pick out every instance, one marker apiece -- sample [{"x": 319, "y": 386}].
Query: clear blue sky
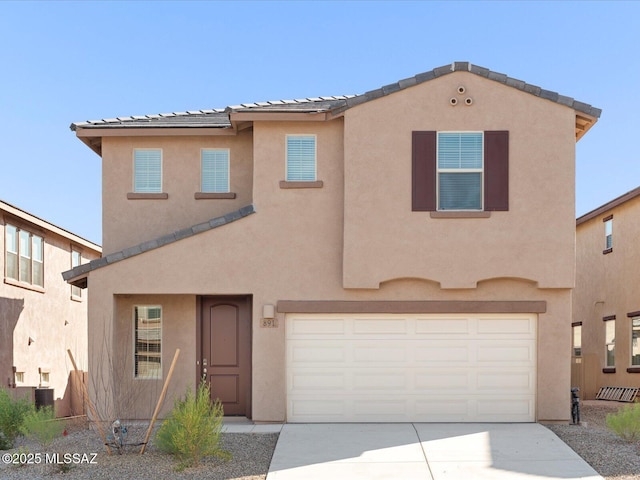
[{"x": 64, "y": 62}]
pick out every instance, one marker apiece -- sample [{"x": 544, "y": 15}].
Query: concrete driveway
[{"x": 424, "y": 451}]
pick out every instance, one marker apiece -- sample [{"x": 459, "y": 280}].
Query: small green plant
[
  {"x": 12, "y": 413},
  {"x": 192, "y": 429},
  {"x": 626, "y": 422},
  {"x": 41, "y": 425}
]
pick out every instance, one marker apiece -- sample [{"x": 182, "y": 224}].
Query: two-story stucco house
[
  {"x": 402, "y": 255},
  {"x": 41, "y": 316},
  {"x": 606, "y": 304}
]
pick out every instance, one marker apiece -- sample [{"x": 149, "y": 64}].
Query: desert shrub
[
  {"x": 12, "y": 413},
  {"x": 626, "y": 422},
  {"x": 41, "y": 425},
  {"x": 192, "y": 429}
]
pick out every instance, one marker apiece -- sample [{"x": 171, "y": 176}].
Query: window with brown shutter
[{"x": 425, "y": 171}]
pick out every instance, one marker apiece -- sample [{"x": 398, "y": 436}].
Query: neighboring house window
[
  {"x": 147, "y": 171},
  {"x": 20, "y": 378},
  {"x": 76, "y": 260},
  {"x": 460, "y": 167},
  {"x": 148, "y": 341},
  {"x": 635, "y": 344},
  {"x": 301, "y": 158},
  {"x": 24, "y": 256},
  {"x": 577, "y": 340},
  {"x": 44, "y": 376},
  {"x": 465, "y": 171},
  {"x": 215, "y": 171},
  {"x": 608, "y": 234},
  {"x": 610, "y": 343}
]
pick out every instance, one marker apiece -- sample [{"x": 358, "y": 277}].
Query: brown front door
[{"x": 226, "y": 351}]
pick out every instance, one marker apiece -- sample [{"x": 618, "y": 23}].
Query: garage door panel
[
  {"x": 319, "y": 380},
  {"x": 320, "y": 326},
  {"x": 379, "y": 381},
  {"x": 515, "y": 382},
  {"x": 384, "y": 368},
  {"x": 434, "y": 352},
  {"x": 506, "y": 326},
  {"x": 313, "y": 353},
  {"x": 495, "y": 407},
  {"x": 437, "y": 382},
  {"x": 440, "y": 326},
  {"x": 380, "y": 353},
  {"x": 505, "y": 354},
  {"x": 386, "y": 326}
]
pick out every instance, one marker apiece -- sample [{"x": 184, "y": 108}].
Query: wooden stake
[
  {"x": 160, "y": 401},
  {"x": 92, "y": 409}
]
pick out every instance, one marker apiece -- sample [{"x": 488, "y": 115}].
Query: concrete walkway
[{"x": 424, "y": 451}]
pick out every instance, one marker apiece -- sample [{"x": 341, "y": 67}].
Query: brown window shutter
[
  {"x": 496, "y": 171},
  {"x": 423, "y": 197}
]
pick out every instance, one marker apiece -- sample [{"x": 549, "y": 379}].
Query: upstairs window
[
  {"x": 215, "y": 171},
  {"x": 460, "y": 168},
  {"x": 148, "y": 341},
  {"x": 147, "y": 170},
  {"x": 460, "y": 171},
  {"x": 608, "y": 234},
  {"x": 24, "y": 256},
  {"x": 301, "y": 158}
]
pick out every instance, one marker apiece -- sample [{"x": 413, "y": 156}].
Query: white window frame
[
  {"x": 138, "y": 189},
  {"x": 608, "y": 234},
  {"x": 76, "y": 292},
  {"x": 30, "y": 257},
  {"x": 227, "y": 188},
  {"x": 635, "y": 322},
  {"x": 459, "y": 170},
  {"x": 315, "y": 156},
  {"x": 576, "y": 346},
  {"x": 610, "y": 343},
  {"x": 136, "y": 374}
]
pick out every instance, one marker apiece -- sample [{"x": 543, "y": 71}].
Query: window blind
[
  {"x": 147, "y": 176},
  {"x": 215, "y": 171},
  {"x": 301, "y": 158}
]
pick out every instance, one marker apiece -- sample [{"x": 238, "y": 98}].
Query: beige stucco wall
[
  {"x": 607, "y": 285},
  {"x": 356, "y": 237},
  {"x": 537, "y": 230},
  {"x": 54, "y": 320},
  {"x": 129, "y": 222}
]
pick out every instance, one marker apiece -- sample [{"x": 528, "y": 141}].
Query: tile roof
[{"x": 219, "y": 118}]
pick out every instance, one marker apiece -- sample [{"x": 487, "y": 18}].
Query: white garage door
[{"x": 411, "y": 368}]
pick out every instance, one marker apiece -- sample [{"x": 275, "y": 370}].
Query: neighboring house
[
  {"x": 41, "y": 316},
  {"x": 606, "y": 300},
  {"x": 402, "y": 255}
]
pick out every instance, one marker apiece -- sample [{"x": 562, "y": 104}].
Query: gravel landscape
[
  {"x": 609, "y": 455},
  {"x": 251, "y": 456}
]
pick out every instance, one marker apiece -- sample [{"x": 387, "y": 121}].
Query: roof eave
[{"x": 608, "y": 206}]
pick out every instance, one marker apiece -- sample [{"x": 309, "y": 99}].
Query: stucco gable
[{"x": 78, "y": 275}]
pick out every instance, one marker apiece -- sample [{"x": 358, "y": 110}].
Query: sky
[{"x": 64, "y": 62}]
